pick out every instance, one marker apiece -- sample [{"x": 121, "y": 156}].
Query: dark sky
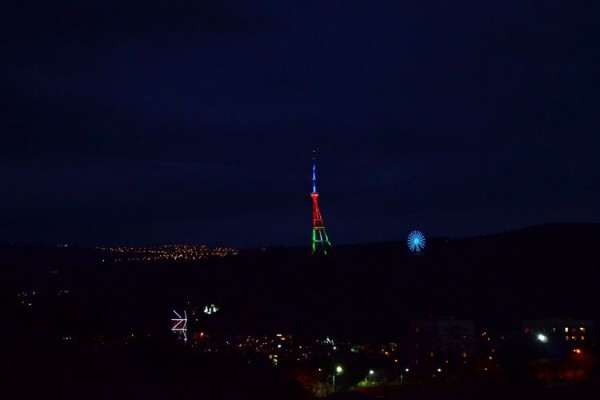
[{"x": 127, "y": 122}]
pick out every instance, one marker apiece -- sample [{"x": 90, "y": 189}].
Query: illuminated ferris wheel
[{"x": 416, "y": 241}]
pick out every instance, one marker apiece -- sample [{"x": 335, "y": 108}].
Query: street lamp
[
  {"x": 371, "y": 372},
  {"x": 402, "y": 376},
  {"x": 338, "y": 371}
]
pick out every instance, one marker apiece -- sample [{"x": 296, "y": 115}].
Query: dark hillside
[{"x": 369, "y": 290}]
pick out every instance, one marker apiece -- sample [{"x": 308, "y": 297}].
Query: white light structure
[
  {"x": 180, "y": 324},
  {"x": 211, "y": 309},
  {"x": 542, "y": 338}
]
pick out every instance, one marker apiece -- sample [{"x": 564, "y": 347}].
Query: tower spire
[
  {"x": 314, "y": 171},
  {"x": 320, "y": 242}
]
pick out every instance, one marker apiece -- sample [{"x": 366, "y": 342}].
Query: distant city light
[
  {"x": 339, "y": 369},
  {"x": 542, "y": 338},
  {"x": 177, "y": 252}
]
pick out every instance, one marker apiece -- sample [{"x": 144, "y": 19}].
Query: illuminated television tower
[{"x": 320, "y": 242}]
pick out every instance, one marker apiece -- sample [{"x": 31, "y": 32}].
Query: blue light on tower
[
  {"x": 416, "y": 241},
  {"x": 314, "y": 172}
]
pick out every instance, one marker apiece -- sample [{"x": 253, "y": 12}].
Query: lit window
[{"x": 566, "y": 329}]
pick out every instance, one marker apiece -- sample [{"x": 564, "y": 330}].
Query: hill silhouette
[{"x": 366, "y": 291}]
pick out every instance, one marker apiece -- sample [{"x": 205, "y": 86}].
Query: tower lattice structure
[{"x": 320, "y": 242}]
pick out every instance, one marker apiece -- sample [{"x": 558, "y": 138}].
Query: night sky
[{"x": 149, "y": 122}]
